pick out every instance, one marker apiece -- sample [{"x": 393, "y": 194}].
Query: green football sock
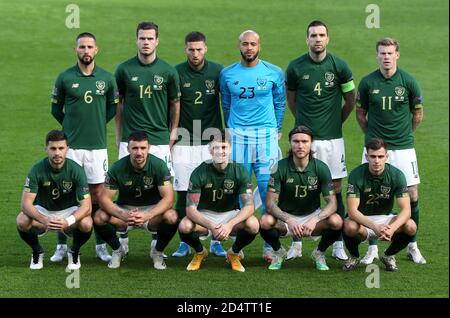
[
  {"x": 193, "y": 240},
  {"x": 181, "y": 204},
  {"x": 399, "y": 242},
  {"x": 243, "y": 238},
  {"x": 352, "y": 244},
  {"x": 329, "y": 236},
  {"x": 61, "y": 238},
  {"x": 165, "y": 233},
  {"x": 415, "y": 218},
  {"x": 79, "y": 239},
  {"x": 272, "y": 237},
  {"x": 31, "y": 238},
  {"x": 108, "y": 233}
]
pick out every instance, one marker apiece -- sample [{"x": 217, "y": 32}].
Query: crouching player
[
  {"x": 293, "y": 201},
  {"x": 145, "y": 200},
  {"x": 372, "y": 189},
  {"x": 212, "y": 204},
  {"x": 55, "y": 198}
]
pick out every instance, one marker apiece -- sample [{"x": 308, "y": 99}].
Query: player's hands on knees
[
  {"x": 138, "y": 218},
  {"x": 57, "y": 223},
  {"x": 386, "y": 232},
  {"x": 309, "y": 226},
  {"x": 220, "y": 232},
  {"x": 295, "y": 227}
]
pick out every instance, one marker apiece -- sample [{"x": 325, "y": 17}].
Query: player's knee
[
  {"x": 170, "y": 216},
  {"x": 23, "y": 222},
  {"x": 335, "y": 222},
  {"x": 350, "y": 228},
  {"x": 85, "y": 224},
  {"x": 410, "y": 227},
  {"x": 252, "y": 225},
  {"x": 186, "y": 226},
  {"x": 267, "y": 222},
  {"x": 101, "y": 217}
]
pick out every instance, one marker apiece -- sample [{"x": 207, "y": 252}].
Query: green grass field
[{"x": 36, "y": 46}]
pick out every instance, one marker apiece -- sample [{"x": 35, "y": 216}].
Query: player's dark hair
[
  {"x": 300, "y": 130},
  {"x": 376, "y": 144},
  {"x": 221, "y": 135},
  {"x": 195, "y": 36},
  {"x": 147, "y": 26},
  {"x": 138, "y": 136},
  {"x": 388, "y": 42},
  {"x": 55, "y": 135},
  {"x": 315, "y": 23},
  {"x": 86, "y": 35}
]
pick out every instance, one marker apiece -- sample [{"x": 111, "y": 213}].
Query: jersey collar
[
  {"x": 79, "y": 73},
  {"x": 293, "y": 167}
]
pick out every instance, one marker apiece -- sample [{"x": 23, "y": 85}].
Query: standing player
[
  {"x": 215, "y": 188},
  {"x": 200, "y": 111},
  {"x": 293, "y": 201},
  {"x": 145, "y": 200},
  {"x": 390, "y": 107},
  {"x": 372, "y": 189},
  {"x": 84, "y": 100},
  {"x": 55, "y": 198},
  {"x": 149, "y": 99},
  {"x": 316, "y": 83},
  {"x": 253, "y": 103}
]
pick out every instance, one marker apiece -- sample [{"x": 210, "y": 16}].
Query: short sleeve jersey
[
  {"x": 219, "y": 191},
  {"x": 85, "y": 99},
  {"x": 389, "y": 103},
  {"x": 299, "y": 191},
  {"x": 146, "y": 91},
  {"x": 319, "y": 88},
  {"x": 57, "y": 189},
  {"x": 376, "y": 193},
  {"x": 138, "y": 188},
  {"x": 200, "y": 102}
]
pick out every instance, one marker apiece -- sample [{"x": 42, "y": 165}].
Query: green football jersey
[
  {"x": 219, "y": 191},
  {"x": 299, "y": 191},
  {"x": 57, "y": 189},
  {"x": 376, "y": 193},
  {"x": 389, "y": 103},
  {"x": 146, "y": 91},
  {"x": 86, "y": 100},
  {"x": 319, "y": 89},
  {"x": 138, "y": 188},
  {"x": 199, "y": 101}
]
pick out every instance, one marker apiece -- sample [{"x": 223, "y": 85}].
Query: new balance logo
[
  {"x": 375, "y": 91},
  {"x": 290, "y": 180},
  {"x": 134, "y": 79},
  {"x": 187, "y": 85},
  {"x": 305, "y": 77},
  {"x": 75, "y": 85},
  {"x": 235, "y": 82}
]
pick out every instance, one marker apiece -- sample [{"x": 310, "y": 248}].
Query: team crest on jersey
[
  {"x": 261, "y": 83},
  {"x": 100, "y": 87},
  {"x": 67, "y": 186},
  {"x": 228, "y": 184},
  {"x": 329, "y": 77},
  {"x": 312, "y": 180},
  {"x": 210, "y": 86},
  {"x": 148, "y": 182},
  {"x": 158, "y": 80},
  {"x": 399, "y": 92},
  {"x": 385, "y": 190}
]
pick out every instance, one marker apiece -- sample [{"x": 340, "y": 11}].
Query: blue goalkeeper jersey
[{"x": 253, "y": 99}]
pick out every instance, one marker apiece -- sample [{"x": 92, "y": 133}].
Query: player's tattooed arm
[
  {"x": 247, "y": 198},
  {"x": 329, "y": 209},
  {"x": 273, "y": 209},
  {"x": 192, "y": 199}
]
